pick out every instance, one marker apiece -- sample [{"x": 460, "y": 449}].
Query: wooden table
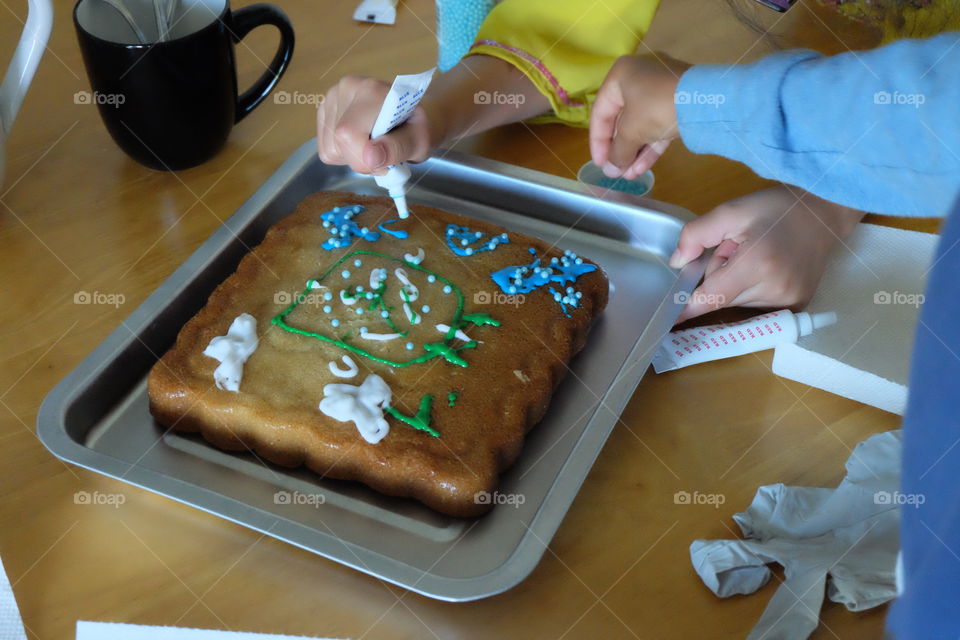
[{"x": 78, "y": 215}]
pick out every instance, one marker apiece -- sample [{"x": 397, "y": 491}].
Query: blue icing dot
[
  {"x": 326, "y": 308},
  {"x": 464, "y": 242},
  {"x": 384, "y": 314},
  {"x": 431, "y": 278},
  {"x": 328, "y": 296},
  {"x": 335, "y": 322},
  {"x": 339, "y": 222},
  {"x": 359, "y": 311},
  {"x": 446, "y": 288},
  {"x": 425, "y": 308},
  {"x": 358, "y": 262},
  {"x": 345, "y": 274},
  {"x": 409, "y": 346}
]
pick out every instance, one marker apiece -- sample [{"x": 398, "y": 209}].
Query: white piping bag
[
  {"x": 404, "y": 96},
  {"x": 715, "y": 342}
]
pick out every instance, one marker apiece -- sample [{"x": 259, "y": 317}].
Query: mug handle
[{"x": 246, "y": 20}]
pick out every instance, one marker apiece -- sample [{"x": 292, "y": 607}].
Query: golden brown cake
[{"x": 414, "y": 365}]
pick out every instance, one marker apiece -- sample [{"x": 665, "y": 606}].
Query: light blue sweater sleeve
[{"x": 876, "y": 130}]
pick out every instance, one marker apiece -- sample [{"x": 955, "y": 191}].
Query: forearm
[
  {"x": 870, "y": 129},
  {"x": 479, "y": 93}
]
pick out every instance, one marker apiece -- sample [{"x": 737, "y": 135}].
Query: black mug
[{"x": 171, "y": 104}]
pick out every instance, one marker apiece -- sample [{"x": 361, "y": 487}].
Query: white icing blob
[
  {"x": 349, "y": 372},
  {"x": 232, "y": 350},
  {"x": 443, "y": 328},
  {"x": 377, "y": 275},
  {"x": 345, "y": 300},
  {"x": 417, "y": 259},
  {"x": 362, "y": 405}
]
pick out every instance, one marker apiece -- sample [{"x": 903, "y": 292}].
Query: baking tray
[{"x": 98, "y": 417}]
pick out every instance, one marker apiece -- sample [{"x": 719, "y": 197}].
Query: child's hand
[
  {"x": 634, "y": 116},
  {"x": 771, "y": 249},
  {"x": 347, "y": 115}
]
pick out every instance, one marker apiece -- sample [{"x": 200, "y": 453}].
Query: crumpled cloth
[{"x": 843, "y": 542}]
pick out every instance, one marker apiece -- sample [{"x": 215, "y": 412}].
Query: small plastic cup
[{"x": 591, "y": 175}]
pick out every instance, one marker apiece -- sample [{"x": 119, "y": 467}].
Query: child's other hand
[
  {"x": 346, "y": 117},
  {"x": 634, "y": 116},
  {"x": 771, "y": 249}
]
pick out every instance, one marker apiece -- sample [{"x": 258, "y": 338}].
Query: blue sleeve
[
  {"x": 930, "y": 519},
  {"x": 876, "y": 130}
]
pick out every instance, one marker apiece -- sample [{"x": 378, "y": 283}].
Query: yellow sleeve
[{"x": 565, "y": 47}]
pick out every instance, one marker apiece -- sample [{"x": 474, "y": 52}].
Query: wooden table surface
[{"x": 77, "y": 215}]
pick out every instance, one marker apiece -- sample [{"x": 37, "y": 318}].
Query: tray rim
[{"x": 51, "y": 417}]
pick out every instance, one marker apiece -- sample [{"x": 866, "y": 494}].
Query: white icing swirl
[
  {"x": 349, "y": 372},
  {"x": 232, "y": 350},
  {"x": 345, "y": 299},
  {"x": 415, "y": 259},
  {"x": 363, "y": 405}
]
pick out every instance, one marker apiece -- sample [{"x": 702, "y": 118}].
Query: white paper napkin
[
  {"x": 116, "y": 631},
  {"x": 876, "y": 288},
  {"x": 11, "y": 626}
]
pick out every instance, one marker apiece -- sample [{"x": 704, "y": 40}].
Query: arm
[{"x": 874, "y": 130}]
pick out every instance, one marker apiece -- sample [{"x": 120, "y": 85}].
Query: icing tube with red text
[
  {"x": 715, "y": 342},
  {"x": 404, "y": 96}
]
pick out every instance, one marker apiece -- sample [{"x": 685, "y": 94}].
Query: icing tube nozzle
[
  {"x": 395, "y": 182},
  {"x": 404, "y": 96}
]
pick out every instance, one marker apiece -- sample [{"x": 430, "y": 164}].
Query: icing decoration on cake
[
  {"x": 452, "y": 398},
  {"x": 363, "y": 405},
  {"x": 415, "y": 259},
  {"x": 339, "y": 221},
  {"x": 459, "y": 334},
  {"x": 421, "y": 420},
  {"x": 526, "y": 278},
  {"x": 378, "y": 304},
  {"x": 232, "y": 350},
  {"x": 349, "y": 372},
  {"x": 396, "y": 233},
  {"x": 464, "y": 242},
  {"x": 570, "y": 298}
]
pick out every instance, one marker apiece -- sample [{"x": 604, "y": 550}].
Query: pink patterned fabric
[{"x": 542, "y": 68}]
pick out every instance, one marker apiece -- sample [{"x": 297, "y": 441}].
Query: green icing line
[
  {"x": 452, "y": 399},
  {"x": 419, "y": 421},
  {"x": 432, "y": 350}
]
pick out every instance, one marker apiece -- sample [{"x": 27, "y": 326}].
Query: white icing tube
[
  {"x": 715, "y": 342},
  {"x": 415, "y": 259},
  {"x": 404, "y": 96},
  {"x": 362, "y": 405},
  {"x": 232, "y": 350},
  {"x": 444, "y": 328}
]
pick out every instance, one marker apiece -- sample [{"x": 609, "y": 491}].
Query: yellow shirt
[{"x": 565, "y": 47}]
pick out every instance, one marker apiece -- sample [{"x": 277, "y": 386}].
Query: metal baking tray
[{"x": 98, "y": 418}]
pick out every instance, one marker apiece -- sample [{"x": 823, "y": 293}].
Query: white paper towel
[
  {"x": 11, "y": 626},
  {"x": 876, "y": 287},
  {"x": 116, "y": 631}
]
